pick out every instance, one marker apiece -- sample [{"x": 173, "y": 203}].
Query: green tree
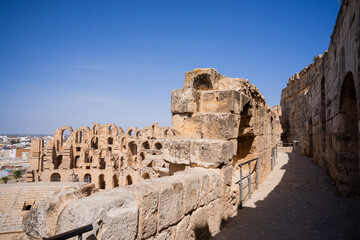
[
  {"x": 14, "y": 141},
  {"x": 5, "y": 179},
  {"x": 17, "y": 174}
]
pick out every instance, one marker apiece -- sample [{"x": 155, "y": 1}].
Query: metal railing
[
  {"x": 73, "y": 233},
  {"x": 287, "y": 144},
  {"x": 249, "y": 178}
]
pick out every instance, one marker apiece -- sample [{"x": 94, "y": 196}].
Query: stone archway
[
  {"x": 101, "y": 181},
  {"x": 348, "y": 139},
  {"x": 87, "y": 178},
  {"x": 55, "y": 177},
  {"x": 310, "y": 139}
]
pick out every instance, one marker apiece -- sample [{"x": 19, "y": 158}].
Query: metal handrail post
[
  {"x": 272, "y": 159},
  {"x": 257, "y": 174},
  {"x": 241, "y": 187},
  {"x": 249, "y": 181}
]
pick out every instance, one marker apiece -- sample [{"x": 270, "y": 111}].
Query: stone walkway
[{"x": 296, "y": 201}]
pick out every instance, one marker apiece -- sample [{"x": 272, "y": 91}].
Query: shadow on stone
[
  {"x": 304, "y": 205},
  {"x": 202, "y": 233}
]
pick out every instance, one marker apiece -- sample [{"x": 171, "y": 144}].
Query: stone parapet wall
[
  {"x": 320, "y": 104},
  {"x": 188, "y": 205}
]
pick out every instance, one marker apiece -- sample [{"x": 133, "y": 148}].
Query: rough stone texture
[
  {"x": 171, "y": 209},
  {"x": 114, "y": 215},
  {"x": 321, "y": 104},
  {"x": 42, "y": 219},
  {"x": 191, "y": 169}
]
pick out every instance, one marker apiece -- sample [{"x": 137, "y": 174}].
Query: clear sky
[{"x": 73, "y": 63}]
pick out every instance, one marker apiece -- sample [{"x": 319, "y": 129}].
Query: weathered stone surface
[
  {"x": 147, "y": 196},
  {"x": 226, "y": 101},
  {"x": 171, "y": 203},
  {"x": 207, "y": 125},
  {"x": 199, "y": 223},
  {"x": 42, "y": 219},
  {"x": 114, "y": 215},
  {"x": 182, "y": 229},
  {"x": 202, "y": 79},
  {"x": 177, "y": 151},
  {"x": 209, "y": 153},
  {"x": 192, "y": 188},
  {"x": 184, "y": 101}
]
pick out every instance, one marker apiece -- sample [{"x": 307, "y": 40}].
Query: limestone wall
[
  {"x": 321, "y": 104},
  {"x": 189, "y": 205}
]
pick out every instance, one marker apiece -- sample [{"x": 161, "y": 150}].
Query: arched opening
[
  {"x": 76, "y": 160},
  {"x": 115, "y": 181},
  {"x": 129, "y": 180},
  {"x": 158, "y": 146},
  {"x": 348, "y": 130},
  {"x": 122, "y": 162},
  {"x": 58, "y": 161},
  {"x": 133, "y": 148},
  {"x": 102, "y": 164},
  {"x": 131, "y": 133},
  {"x": 101, "y": 181},
  {"x": 27, "y": 207},
  {"x": 310, "y": 139},
  {"x": 142, "y": 156},
  {"x": 146, "y": 176},
  {"x": 146, "y": 145},
  {"x": 87, "y": 178},
  {"x": 55, "y": 177},
  {"x": 123, "y": 144},
  {"x": 65, "y": 135},
  {"x": 86, "y": 157},
  {"x": 110, "y": 129},
  {"x": 78, "y": 137},
  {"x": 323, "y": 115},
  {"x": 202, "y": 82},
  {"x": 94, "y": 143},
  {"x": 246, "y": 135},
  {"x": 110, "y": 140},
  {"x": 94, "y": 129},
  {"x": 91, "y": 159}
]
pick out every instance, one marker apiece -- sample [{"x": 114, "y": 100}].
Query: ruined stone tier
[{"x": 216, "y": 122}]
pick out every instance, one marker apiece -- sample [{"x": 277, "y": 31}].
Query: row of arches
[
  {"x": 56, "y": 177},
  {"x": 345, "y": 148}
]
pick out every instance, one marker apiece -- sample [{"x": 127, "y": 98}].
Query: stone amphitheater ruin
[
  {"x": 182, "y": 182},
  {"x": 176, "y": 177}
]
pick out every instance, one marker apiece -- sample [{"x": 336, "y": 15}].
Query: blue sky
[{"x": 78, "y": 62}]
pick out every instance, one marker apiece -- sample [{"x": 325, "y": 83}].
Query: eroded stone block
[{"x": 170, "y": 203}]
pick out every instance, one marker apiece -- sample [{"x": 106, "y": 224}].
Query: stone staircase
[{"x": 15, "y": 197}]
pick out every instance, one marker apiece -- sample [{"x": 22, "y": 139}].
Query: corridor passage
[{"x": 296, "y": 201}]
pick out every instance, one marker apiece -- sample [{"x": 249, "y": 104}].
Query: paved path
[{"x": 296, "y": 201}]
